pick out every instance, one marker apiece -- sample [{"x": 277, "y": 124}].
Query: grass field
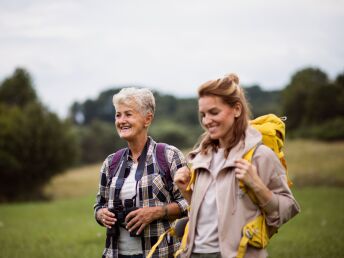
[{"x": 65, "y": 226}]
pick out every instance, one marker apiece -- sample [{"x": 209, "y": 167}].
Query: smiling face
[
  {"x": 218, "y": 117},
  {"x": 130, "y": 123}
]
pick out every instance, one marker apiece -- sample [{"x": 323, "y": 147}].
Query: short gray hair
[{"x": 143, "y": 97}]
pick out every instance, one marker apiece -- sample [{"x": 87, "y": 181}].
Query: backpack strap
[
  {"x": 115, "y": 162},
  {"x": 160, "y": 154},
  {"x": 248, "y": 156}
]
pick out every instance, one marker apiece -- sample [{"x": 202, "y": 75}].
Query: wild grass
[{"x": 313, "y": 163}]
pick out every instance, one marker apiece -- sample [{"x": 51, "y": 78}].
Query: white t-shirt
[
  {"x": 206, "y": 237},
  {"x": 128, "y": 245}
]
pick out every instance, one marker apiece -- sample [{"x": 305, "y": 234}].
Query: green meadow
[{"x": 64, "y": 227}]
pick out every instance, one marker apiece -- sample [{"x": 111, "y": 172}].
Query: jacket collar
[{"x": 252, "y": 138}]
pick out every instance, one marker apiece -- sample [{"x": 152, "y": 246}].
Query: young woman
[
  {"x": 139, "y": 184},
  {"x": 219, "y": 207}
]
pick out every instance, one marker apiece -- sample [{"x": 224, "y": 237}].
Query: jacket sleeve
[
  {"x": 177, "y": 160},
  {"x": 282, "y": 206},
  {"x": 102, "y": 194}
]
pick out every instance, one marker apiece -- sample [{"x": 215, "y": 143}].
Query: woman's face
[
  {"x": 217, "y": 117},
  {"x": 130, "y": 123}
]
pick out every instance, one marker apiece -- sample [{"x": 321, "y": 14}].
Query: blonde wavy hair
[{"x": 231, "y": 93}]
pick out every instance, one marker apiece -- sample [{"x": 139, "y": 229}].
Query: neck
[{"x": 136, "y": 147}]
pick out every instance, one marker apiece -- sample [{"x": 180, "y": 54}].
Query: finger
[
  {"x": 242, "y": 166},
  {"x": 142, "y": 227},
  {"x": 131, "y": 215},
  {"x": 109, "y": 213},
  {"x": 135, "y": 226},
  {"x": 242, "y": 161}
]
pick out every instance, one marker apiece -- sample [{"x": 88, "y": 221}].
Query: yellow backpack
[
  {"x": 272, "y": 128},
  {"x": 255, "y": 232}
]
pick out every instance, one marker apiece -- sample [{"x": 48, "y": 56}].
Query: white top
[
  {"x": 206, "y": 237},
  {"x": 129, "y": 245}
]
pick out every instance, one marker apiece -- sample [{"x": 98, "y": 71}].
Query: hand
[
  {"x": 182, "y": 178},
  {"x": 246, "y": 172},
  {"x": 106, "y": 217},
  {"x": 140, "y": 218}
]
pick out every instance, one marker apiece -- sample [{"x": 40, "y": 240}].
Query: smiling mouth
[{"x": 124, "y": 128}]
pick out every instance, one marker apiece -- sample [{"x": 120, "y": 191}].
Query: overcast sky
[{"x": 75, "y": 49}]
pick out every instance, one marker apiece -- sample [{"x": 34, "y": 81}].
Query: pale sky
[{"x": 75, "y": 49}]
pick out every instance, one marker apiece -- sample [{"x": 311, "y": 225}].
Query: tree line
[{"x": 35, "y": 144}]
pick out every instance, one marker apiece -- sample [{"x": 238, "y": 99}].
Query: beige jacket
[{"x": 234, "y": 207}]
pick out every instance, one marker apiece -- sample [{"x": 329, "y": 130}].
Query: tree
[
  {"x": 34, "y": 144},
  {"x": 17, "y": 90},
  {"x": 298, "y": 96}
]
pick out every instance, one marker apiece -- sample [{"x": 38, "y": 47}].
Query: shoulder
[{"x": 173, "y": 154}]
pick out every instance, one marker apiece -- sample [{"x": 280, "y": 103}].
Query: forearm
[
  {"x": 169, "y": 211},
  {"x": 264, "y": 195}
]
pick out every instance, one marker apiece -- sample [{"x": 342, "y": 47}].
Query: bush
[
  {"x": 34, "y": 146},
  {"x": 178, "y": 135},
  {"x": 328, "y": 131},
  {"x": 97, "y": 141}
]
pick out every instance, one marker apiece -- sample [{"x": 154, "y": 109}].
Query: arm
[
  {"x": 266, "y": 177},
  {"x": 101, "y": 213},
  {"x": 178, "y": 162}
]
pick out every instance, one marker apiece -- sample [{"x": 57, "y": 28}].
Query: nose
[
  {"x": 206, "y": 120},
  {"x": 120, "y": 119}
]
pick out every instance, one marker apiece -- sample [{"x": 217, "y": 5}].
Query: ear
[
  {"x": 148, "y": 119},
  {"x": 237, "y": 109}
]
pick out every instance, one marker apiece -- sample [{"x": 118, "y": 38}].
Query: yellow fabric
[
  {"x": 272, "y": 129},
  {"x": 255, "y": 234},
  {"x": 192, "y": 179},
  {"x": 152, "y": 250}
]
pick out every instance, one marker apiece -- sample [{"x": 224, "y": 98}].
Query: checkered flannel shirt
[{"x": 152, "y": 192}]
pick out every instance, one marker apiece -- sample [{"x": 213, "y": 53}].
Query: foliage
[
  {"x": 330, "y": 130},
  {"x": 97, "y": 141},
  {"x": 17, "y": 90},
  {"x": 263, "y": 102},
  {"x": 34, "y": 143},
  {"x": 176, "y": 134},
  {"x": 310, "y": 99}
]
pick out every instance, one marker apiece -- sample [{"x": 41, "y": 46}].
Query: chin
[{"x": 213, "y": 136}]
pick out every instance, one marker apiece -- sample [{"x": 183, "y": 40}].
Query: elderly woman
[
  {"x": 219, "y": 207},
  {"x": 135, "y": 202}
]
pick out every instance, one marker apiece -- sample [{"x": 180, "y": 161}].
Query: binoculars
[{"x": 121, "y": 211}]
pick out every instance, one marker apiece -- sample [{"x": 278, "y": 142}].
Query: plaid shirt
[{"x": 152, "y": 192}]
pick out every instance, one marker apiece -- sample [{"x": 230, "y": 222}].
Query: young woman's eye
[{"x": 214, "y": 112}]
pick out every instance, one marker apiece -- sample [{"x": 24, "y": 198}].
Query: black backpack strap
[{"x": 160, "y": 154}]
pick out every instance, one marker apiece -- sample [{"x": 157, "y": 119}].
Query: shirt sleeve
[
  {"x": 177, "y": 160},
  {"x": 282, "y": 206},
  {"x": 102, "y": 194}
]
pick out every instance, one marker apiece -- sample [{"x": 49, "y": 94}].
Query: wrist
[{"x": 164, "y": 212}]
